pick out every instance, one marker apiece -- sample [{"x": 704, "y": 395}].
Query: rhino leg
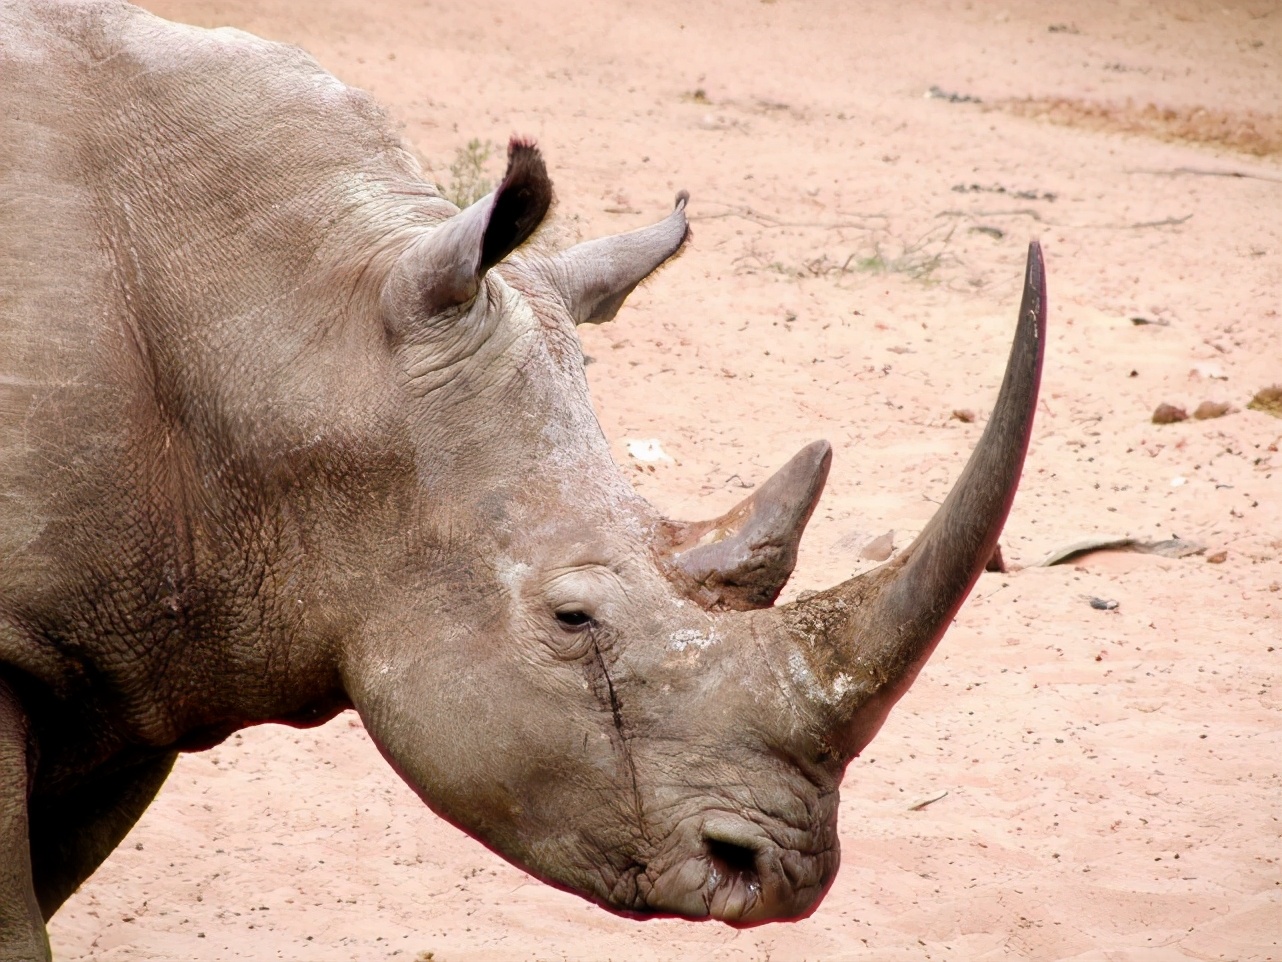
[
  {"x": 72, "y": 835},
  {"x": 22, "y": 930}
]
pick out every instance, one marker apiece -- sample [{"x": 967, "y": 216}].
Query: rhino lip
[
  {"x": 731, "y": 871},
  {"x": 734, "y": 886}
]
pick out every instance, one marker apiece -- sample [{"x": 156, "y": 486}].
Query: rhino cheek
[{"x": 539, "y": 786}]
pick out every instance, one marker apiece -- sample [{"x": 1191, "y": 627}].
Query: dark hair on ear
[{"x": 520, "y": 203}]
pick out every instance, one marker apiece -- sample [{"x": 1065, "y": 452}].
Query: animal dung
[{"x": 1169, "y": 414}]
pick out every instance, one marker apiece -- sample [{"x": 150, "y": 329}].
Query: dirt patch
[{"x": 1245, "y": 131}]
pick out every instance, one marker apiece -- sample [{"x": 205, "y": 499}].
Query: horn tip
[
  {"x": 1033, "y": 309},
  {"x": 817, "y": 452},
  {"x": 683, "y": 198}
]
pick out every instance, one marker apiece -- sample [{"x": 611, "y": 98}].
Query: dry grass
[
  {"x": 1246, "y": 131},
  {"x": 1268, "y": 400},
  {"x": 468, "y": 182}
]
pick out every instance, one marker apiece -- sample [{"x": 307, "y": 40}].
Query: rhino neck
[{"x": 166, "y": 427}]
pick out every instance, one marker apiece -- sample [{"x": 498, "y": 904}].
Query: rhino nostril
[{"x": 731, "y": 860}]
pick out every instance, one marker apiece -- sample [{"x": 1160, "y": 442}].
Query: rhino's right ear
[
  {"x": 444, "y": 267},
  {"x": 596, "y": 276}
]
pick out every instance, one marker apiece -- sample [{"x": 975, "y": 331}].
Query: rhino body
[{"x": 283, "y": 433}]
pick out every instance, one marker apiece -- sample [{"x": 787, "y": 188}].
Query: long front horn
[{"x": 853, "y": 650}]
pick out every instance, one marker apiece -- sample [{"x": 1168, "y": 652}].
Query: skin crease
[{"x": 285, "y": 433}]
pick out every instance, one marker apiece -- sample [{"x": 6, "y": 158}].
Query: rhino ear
[
  {"x": 744, "y": 558},
  {"x": 444, "y": 268},
  {"x": 596, "y": 277}
]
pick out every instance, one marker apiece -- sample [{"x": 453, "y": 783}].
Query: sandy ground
[{"x": 1113, "y": 777}]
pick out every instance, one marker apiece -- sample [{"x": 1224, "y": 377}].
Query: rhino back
[{"x": 188, "y": 222}]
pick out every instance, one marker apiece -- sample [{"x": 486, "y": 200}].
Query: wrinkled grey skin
[{"x": 283, "y": 433}]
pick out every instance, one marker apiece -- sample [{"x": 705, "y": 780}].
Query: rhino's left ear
[
  {"x": 444, "y": 268},
  {"x": 595, "y": 277},
  {"x": 744, "y": 558}
]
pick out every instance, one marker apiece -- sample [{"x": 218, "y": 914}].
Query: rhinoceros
[{"x": 284, "y": 433}]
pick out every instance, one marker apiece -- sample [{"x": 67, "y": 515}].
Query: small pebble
[
  {"x": 964, "y": 415},
  {"x": 1103, "y": 604},
  {"x": 881, "y": 548},
  {"x": 1210, "y": 409},
  {"x": 1218, "y": 558}
]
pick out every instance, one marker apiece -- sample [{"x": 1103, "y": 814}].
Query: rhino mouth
[{"x": 729, "y": 870}]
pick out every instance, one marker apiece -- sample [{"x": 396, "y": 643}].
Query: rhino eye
[{"x": 574, "y": 619}]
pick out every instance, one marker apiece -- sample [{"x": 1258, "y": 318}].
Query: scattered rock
[
  {"x": 964, "y": 415},
  {"x": 1103, "y": 604},
  {"x": 1268, "y": 400},
  {"x": 1218, "y": 558},
  {"x": 1169, "y": 414},
  {"x": 1211, "y": 409},
  {"x": 1139, "y": 321},
  {"x": 996, "y": 562},
  {"x": 880, "y": 548}
]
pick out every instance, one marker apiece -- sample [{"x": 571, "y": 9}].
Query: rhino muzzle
[{"x": 722, "y": 866}]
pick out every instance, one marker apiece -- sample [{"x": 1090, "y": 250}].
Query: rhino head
[{"x": 607, "y": 698}]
